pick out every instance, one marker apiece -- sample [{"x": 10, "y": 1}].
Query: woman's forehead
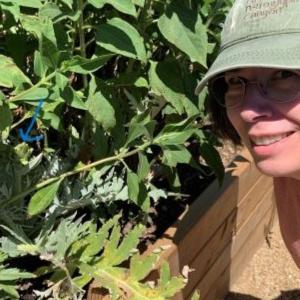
[{"x": 250, "y": 70}]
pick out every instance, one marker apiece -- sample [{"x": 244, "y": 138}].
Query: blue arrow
[{"x": 25, "y": 136}]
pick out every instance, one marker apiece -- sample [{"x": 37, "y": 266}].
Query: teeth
[{"x": 268, "y": 140}]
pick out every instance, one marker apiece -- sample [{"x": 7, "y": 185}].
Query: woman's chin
[{"x": 275, "y": 169}]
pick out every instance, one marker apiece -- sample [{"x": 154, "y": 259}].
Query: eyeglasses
[{"x": 281, "y": 87}]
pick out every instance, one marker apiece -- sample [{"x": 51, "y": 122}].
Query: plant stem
[
  {"x": 82, "y": 38},
  {"x": 42, "y": 184}
]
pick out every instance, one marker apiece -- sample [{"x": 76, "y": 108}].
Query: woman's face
[{"x": 271, "y": 131}]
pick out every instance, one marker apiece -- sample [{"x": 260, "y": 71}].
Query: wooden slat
[
  {"x": 224, "y": 282},
  {"x": 252, "y": 198},
  {"x": 196, "y": 223},
  {"x": 248, "y": 233},
  {"x": 214, "y": 247}
]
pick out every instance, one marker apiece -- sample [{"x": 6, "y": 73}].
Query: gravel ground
[{"x": 270, "y": 275}]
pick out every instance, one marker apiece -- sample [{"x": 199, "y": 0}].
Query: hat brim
[{"x": 273, "y": 51}]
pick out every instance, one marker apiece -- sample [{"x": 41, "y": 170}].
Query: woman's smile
[{"x": 268, "y": 145}]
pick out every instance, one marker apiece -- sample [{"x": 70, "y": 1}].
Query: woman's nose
[{"x": 254, "y": 105}]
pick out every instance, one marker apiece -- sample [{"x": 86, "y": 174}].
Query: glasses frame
[{"x": 260, "y": 85}]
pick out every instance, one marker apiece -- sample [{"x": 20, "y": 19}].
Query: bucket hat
[{"x": 258, "y": 33}]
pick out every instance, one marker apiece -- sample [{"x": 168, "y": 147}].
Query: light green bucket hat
[{"x": 258, "y": 33}]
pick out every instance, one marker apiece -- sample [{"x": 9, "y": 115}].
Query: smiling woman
[{"x": 254, "y": 87}]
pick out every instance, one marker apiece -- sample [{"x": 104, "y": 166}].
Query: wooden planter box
[{"x": 219, "y": 233}]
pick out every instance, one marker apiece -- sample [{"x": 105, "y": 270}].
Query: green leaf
[
  {"x": 72, "y": 98},
  {"x": 51, "y": 119},
  {"x": 183, "y": 27},
  {"x": 140, "y": 267},
  {"x": 136, "y": 130},
  {"x": 213, "y": 159},
  {"x": 143, "y": 167},
  {"x": 40, "y": 68},
  {"x": 196, "y": 295},
  {"x": 173, "y": 138},
  {"x": 102, "y": 110},
  {"x": 166, "y": 81},
  {"x": 10, "y": 75},
  {"x": 34, "y": 93},
  {"x": 69, "y": 3},
  {"x": 176, "y": 133},
  {"x": 81, "y": 281},
  {"x": 140, "y": 3},
  {"x": 43, "y": 198},
  {"x": 165, "y": 274},
  {"x": 118, "y": 36},
  {"x": 175, "y": 154},
  {"x": 129, "y": 242},
  {"x": 43, "y": 29},
  {"x": 124, "y": 6},
  {"x": 28, "y": 3},
  {"x": 50, "y": 10},
  {"x": 10, "y": 290},
  {"x": 133, "y": 186},
  {"x": 96, "y": 240},
  {"x": 13, "y": 274},
  {"x": 83, "y": 65},
  {"x": 5, "y": 116}
]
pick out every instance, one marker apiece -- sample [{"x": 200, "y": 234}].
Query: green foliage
[
  {"x": 8, "y": 278},
  {"x": 118, "y": 80}
]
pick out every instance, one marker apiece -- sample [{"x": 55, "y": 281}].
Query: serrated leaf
[
  {"x": 140, "y": 267},
  {"x": 118, "y": 36},
  {"x": 183, "y": 27},
  {"x": 165, "y": 274},
  {"x": 10, "y": 290},
  {"x": 111, "y": 246},
  {"x": 129, "y": 242},
  {"x": 43, "y": 198},
  {"x": 81, "y": 281},
  {"x": 14, "y": 274},
  {"x": 96, "y": 241},
  {"x": 172, "y": 287}
]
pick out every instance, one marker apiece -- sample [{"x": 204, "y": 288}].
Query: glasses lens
[
  {"x": 227, "y": 94},
  {"x": 283, "y": 87}
]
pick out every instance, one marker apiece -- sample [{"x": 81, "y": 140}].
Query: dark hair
[{"x": 221, "y": 124}]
